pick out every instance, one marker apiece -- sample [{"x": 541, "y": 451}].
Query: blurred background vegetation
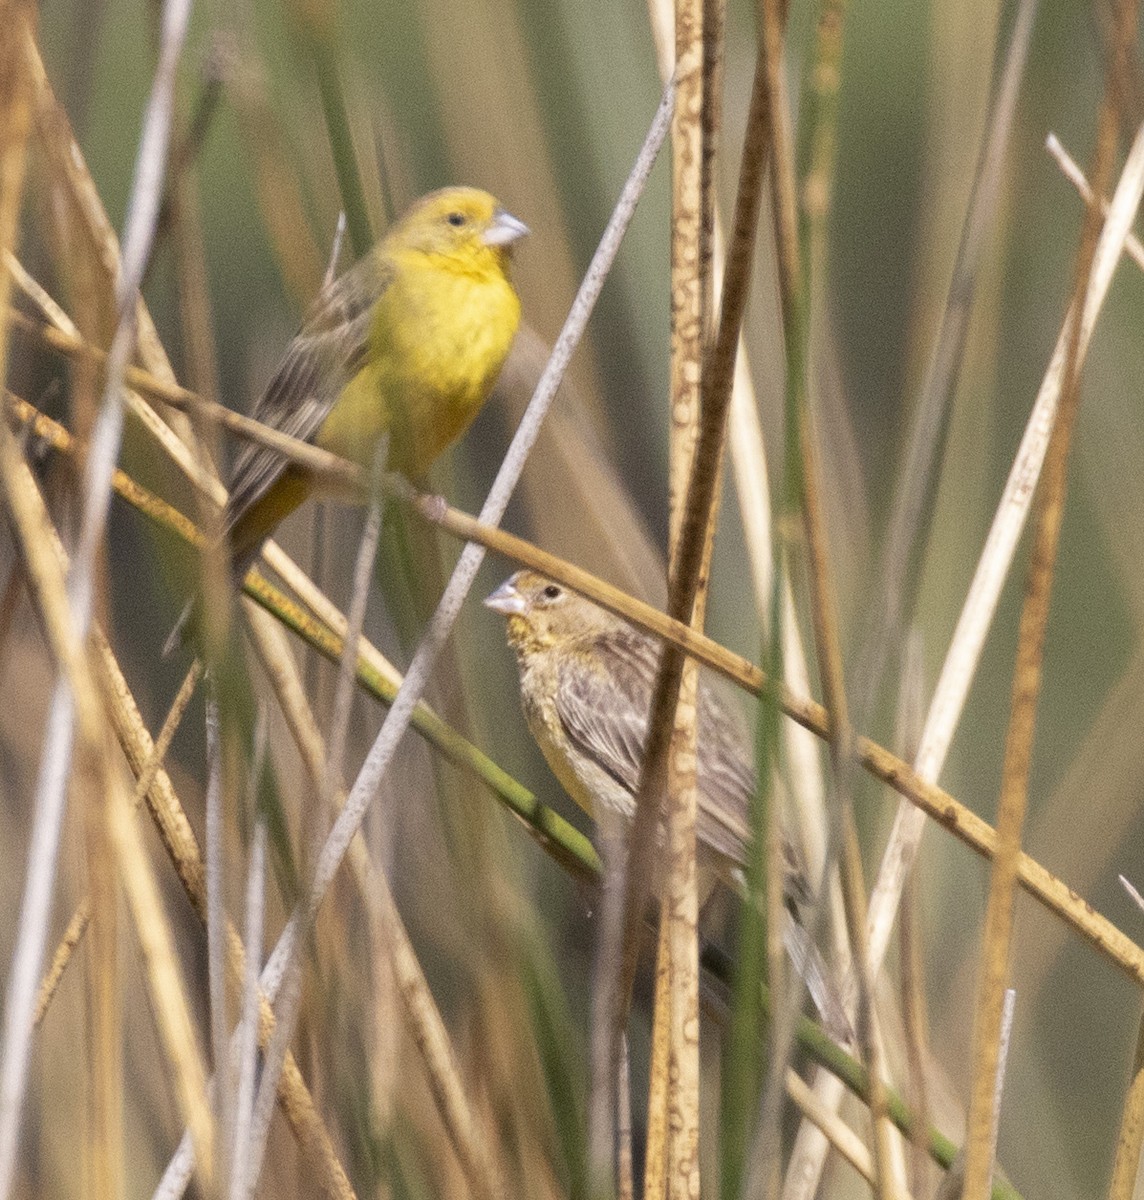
[{"x": 546, "y": 104}]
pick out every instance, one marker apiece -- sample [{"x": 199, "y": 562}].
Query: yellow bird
[
  {"x": 406, "y": 346},
  {"x": 586, "y": 680}
]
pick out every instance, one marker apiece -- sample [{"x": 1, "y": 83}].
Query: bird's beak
[
  {"x": 504, "y": 229},
  {"x": 506, "y": 600}
]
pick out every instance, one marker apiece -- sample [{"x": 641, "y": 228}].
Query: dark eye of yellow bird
[
  {"x": 456, "y": 219},
  {"x": 551, "y": 592}
]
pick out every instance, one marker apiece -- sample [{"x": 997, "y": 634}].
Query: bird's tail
[{"x": 819, "y": 981}]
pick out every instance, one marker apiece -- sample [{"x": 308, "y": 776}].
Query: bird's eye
[
  {"x": 552, "y": 592},
  {"x": 456, "y": 219}
]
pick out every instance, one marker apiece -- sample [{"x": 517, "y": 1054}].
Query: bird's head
[
  {"x": 459, "y": 226},
  {"x": 542, "y": 614}
]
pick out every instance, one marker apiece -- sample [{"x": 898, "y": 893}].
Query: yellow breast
[{"x": 439, "y": 340}]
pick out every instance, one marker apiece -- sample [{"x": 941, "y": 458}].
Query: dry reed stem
[
  {"x": 837, "y": 1133},
  {"x": 222, "y": 776},
  {"x": 1028, "y": 670},
  {"x": 912, "y": 998},
  {"x": 246, "y": 1051},
  {"x": 73, "y": 934},
  {"x": 1126, "y": 1164},
  {"x": 1072, "y": 172},
  {"x": 748, "y": 459},
  {"x": 656, "y": 1133},
  {"x": 103, "y": 998},
  {"x": 692, "y": 131}
]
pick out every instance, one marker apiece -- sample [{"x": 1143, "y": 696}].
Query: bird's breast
[{"x": 444, "y": 337}]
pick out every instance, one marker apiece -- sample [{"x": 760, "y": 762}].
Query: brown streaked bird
[{"x": 586, "y": 680}]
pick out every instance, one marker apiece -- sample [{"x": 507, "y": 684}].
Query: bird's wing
[
  {"x": 605, "y": 716},
  {"x": 726, "y": 781},
  {"x": 323, "y": 357},
  {"x": 605, "y": 713}
]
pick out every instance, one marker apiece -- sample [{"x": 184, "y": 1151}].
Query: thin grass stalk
[
  {"x": 761, "y": 962},
  {"x": 240, "y": 1181},
  {"x": 73, "y": 935},
  {"x": 216, "y": 933},
  {"x": 214, "y": 567},
  {"x": 765, "y": 1153},
  {"x": 1130, "y": 1137},
  {"x": 694, "y": 125},
  {"x": 838, "y": 1134},
  {"x": 656, "y": 1134},
  {"x": 714, "y": 25},
  {"x": 1027, "y": 675},
  {"x": 912, "y": 998},
  {"x": 103, "y": 1001},
  {"x": 625, "y": 1166},
  {"x": 1133, "y": 247}
]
